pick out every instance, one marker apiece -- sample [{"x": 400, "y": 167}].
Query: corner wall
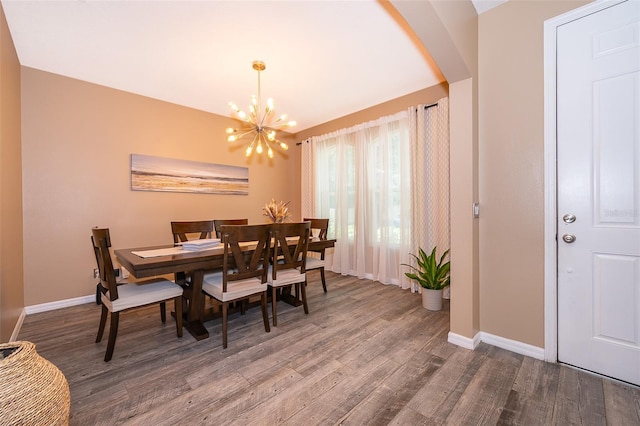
[
  {"x": 11, "y": 276},
  {"x": 511, "y": 164}
]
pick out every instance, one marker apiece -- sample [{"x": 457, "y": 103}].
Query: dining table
[{"x": 144, "y": 262}]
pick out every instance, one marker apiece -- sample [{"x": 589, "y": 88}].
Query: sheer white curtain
[{"x": 364, "y": 180}]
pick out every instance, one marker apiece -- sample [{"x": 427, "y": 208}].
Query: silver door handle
[
  {"x": 569, "y": 218},
  {"x": 568, "y": 238}
]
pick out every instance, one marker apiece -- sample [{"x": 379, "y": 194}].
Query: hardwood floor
[{"x": 366, "y": 354}]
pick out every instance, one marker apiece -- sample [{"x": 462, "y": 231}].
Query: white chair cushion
[
  {"x": 212, "y": 285},
  {"x": 285, "y": 277},
  {"x": 142, "y": 293},
  {"x": 314, "y": 263}
]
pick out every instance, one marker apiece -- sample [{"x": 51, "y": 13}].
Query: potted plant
[{"x": 432, "y": 275}]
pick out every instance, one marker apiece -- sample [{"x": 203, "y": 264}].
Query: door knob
[
  {"x": 569, "y": 218},
  {"x": 568, "y": 238}
]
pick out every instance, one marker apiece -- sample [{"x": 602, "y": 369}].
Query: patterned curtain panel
[
  {"x": 384, "y": 185},
  {"x": 307, "y": 185},
  {"x": 430, "y": 178}
]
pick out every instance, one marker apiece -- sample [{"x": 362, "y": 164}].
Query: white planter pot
[{"x": 432, "y": 299}]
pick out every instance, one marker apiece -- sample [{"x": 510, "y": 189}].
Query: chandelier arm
[
  {"x": 242, "y": 135},
  {"x": 250, "y": 147},
  {"x": 269, "y": 150}
]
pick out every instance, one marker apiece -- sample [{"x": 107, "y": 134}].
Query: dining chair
[
  {"x": 96, "y": 252},
  {"x": 184, "y": 231},
  {"x": 244, "y": 273},
  {"x": 314, "y": 262},
  {"x": 291, "y": 241},
  {"x": 123, "y": 297},
  {"x": 217, "y": 223},
  {"x": 119, "y": 280}
]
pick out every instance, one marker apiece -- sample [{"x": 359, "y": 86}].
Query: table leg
[
  {"x": 289, "y": 298},
  {"x": 194, "y": 323}
]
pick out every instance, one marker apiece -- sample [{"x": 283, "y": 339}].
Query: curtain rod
[{"x": 425, "y": 107}]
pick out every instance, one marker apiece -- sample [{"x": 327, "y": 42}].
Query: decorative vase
[
  {"x": 432, "y": 299},
  {"x": 33, "y": 391}
]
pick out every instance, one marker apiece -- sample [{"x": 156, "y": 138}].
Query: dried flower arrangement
[{"x": 278, "y": 212}]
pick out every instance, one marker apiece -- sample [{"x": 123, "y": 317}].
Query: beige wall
[
  {"x": 511, "y": 165},
  {"x": 77, "y": 142},
  {"x": 11, "y": 278},
  {"x": 426, "y": 96}
]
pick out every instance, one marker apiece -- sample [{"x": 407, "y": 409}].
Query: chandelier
[{"x": 260, "y": 124}]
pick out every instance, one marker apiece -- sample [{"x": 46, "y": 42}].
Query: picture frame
[{"x": 152, "y": 173}]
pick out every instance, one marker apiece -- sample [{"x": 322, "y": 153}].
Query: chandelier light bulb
[{"x": 259, "y": 123}]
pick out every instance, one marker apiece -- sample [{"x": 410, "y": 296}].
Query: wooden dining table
[{"x": 196, "y": 262}]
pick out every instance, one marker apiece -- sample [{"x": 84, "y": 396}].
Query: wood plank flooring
[{"x": 367, "y": 354}]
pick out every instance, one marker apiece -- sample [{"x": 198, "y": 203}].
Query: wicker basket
[{"x": 33, "y": 391}]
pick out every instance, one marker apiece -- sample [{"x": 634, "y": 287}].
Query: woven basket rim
[
  {"x": 32, "y": 389},
  {"x": 22, "y": 348}
]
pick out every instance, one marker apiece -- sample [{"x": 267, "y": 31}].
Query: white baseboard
[
  {"x": 16, "y": 329},
  {"x": 51, "y": 306},
  {"x": 463, "y": 341},
  {"x": 513, "y": 345},
  {"x": 501, "y": 342}
]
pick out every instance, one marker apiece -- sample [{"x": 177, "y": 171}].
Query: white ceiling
[{"x": 325, "y": 59}]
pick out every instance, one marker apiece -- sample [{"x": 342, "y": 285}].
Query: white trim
[
  {"x": 550, "y": 232},
  {"x": 513, "y": 345},
  {"x": 16, "y": 329},
  {"x": 51, "y": 306},
  {"x": 463, "y": 341},
  {"x": 500, "y": 342},
  {"x": 550, "y": 176}
]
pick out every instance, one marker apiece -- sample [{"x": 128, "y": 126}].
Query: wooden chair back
[
  {"x": 290, "y": 256},
  {"x": 322, "y": 225},
  {"x": 101, "y": 243},
  {"x": 217, "y": 223},
  {"x": 318, "y": 224},
  {"x": 182, "y": 230},
  {"x": 238, "y": 264}
]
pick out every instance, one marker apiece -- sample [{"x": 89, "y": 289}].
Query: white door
[{"x": 598, "y": 134}]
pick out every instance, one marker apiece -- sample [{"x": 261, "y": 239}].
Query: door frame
[{"x": 550, "y": 171}]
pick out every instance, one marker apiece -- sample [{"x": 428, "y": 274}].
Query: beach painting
[{"x": 150, "y": 173}]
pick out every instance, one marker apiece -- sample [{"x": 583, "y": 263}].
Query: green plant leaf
[{"x": 429, "y": 272}]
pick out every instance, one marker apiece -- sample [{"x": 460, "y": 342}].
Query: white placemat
[{"x": 158, "y": 252}]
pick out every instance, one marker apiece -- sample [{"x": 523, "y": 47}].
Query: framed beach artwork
[{"x": 150, "y": 173}]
